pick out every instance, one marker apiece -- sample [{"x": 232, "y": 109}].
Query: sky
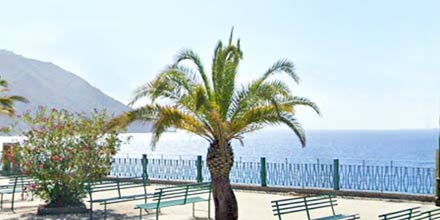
[{"x": 368, "y": 64}]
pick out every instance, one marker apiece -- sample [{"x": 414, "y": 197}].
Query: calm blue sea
[
  {"x": 400, "y": 147},
  {"x": 385, "y": 161}
]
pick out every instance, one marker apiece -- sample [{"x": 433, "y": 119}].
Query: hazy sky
[{"x": 368, "y": 64}]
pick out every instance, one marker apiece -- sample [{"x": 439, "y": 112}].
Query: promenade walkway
[{"x": 252, "y": 205}]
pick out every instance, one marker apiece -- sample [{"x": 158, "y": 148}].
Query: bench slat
[
  {"x": 170, "y": 203},
  {"x": 10, "y": 191},
  {"x": 299, "y": 206},
  {"x": 177, "y": 195},
  {"x": 129, "y": 198},
  {"x": 307, "y": 204},
  {"x": 401, "y": 214},
  {"x": 112, "y": 200},
  {"x": 168, "y": 193},
  {"x": 336, "y": 217},
  {"x": 431, "y": 215}
]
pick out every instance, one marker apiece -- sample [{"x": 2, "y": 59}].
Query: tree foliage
[
  {"x": 185, "y": 96},
  {"x": 63, "y": 150}
]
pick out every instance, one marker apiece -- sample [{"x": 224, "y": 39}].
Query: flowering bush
[
  {"x": 11, "y": 158},
  {"x": 62, "y": 151}
]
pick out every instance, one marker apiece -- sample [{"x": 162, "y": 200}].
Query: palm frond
[
  {"x": 224, "y": 71},
  {"x": 172, "y": 117},
  {"x": 281, "y": 66},
  {"x": 295, "y": 126},
  {"x": 231, "y": 36},
  {"x": 254, "y": 116},
  {"x": 245, "y": 95},
  {"x": 4, "y": 83},
  {"x": 171, "y": 83},
  {"x": 194, "y": 58},
  {"x": 7, "y": 111},
  {"x": 296, "y": 100},
  {"x": 218, "y": 70},
  {"x": 257, "y": 118},
  {"x": 226, "y": 88},
  {"x": 146, "y": 113},
  {"x": 252, "y": 95},
  {"x": 214, "y": 70},
  {"x": 7, "y": 104},
  {"x": 200, "y": 98},
  {"x": 16, "y": 98}
]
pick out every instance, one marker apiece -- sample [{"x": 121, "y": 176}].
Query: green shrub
[{"x": 62, "y": 151}]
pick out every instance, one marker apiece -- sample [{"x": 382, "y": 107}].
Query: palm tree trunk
[{"x": 220, "y": 160}]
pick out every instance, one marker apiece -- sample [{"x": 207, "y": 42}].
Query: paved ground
[{"x": 252, "y": 205}]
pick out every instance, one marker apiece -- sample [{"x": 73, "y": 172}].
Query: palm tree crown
[{"x": 185, "y": 96}]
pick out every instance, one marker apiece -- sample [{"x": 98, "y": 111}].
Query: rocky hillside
[{"x": 46, "y": 84}]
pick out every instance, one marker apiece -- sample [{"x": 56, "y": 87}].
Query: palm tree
[
  {"x": 7, "y": 101},
  {"x": 217, "y": 109}
]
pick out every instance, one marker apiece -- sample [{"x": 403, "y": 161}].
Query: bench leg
[
  {"x": 209, "y": 209},
  {"x": 194, "y": 212},
  {"x": 91, "y": 211},
  {"x": 1, "y": 202},
  {"x": 105, "y": 210},
  {"x": 157, "y": 214},
  {"x": 12, "y": 203},
  {"x": 140, "y": 214}
]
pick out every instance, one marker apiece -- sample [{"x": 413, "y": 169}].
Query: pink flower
[
  {"x": 57, "y": 158},
  {"x": 32, "y": 186},
  {"x": 26, "y": 171}
]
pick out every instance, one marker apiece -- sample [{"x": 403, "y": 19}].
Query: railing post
[
  {"x": 263, "y": 172},
  {"x": 144, "y": 167},
  {"x": 437, "y": 176},
  {"x": 199, "y": 164},
  {"x": 437, "y": 173},
  {"x": 336, "y": 177}
]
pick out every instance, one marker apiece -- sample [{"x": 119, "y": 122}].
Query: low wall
[{"x": 309, "y": 191}]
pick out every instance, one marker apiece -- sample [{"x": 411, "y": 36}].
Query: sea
[{"x": 399, "y": 147}]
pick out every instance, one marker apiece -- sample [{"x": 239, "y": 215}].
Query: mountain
[{"x": 46, "y": 84}]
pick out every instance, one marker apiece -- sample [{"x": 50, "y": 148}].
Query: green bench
[
  {"x": 405, "y": 214},
  {"x": 118, "y": 185},
  {"x": 428, "y": 215},
  {"x": 411, "y": 214},
  {"x": 16, "y": 184},
  {"x": 307, "y": 204},
  {"x": 178, "y": 195}
]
